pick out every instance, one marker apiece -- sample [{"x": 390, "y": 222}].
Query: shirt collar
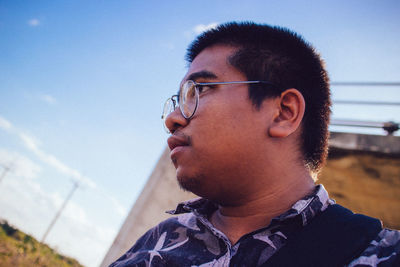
[
  {"x": 198, "y": 205},
  {"x": 307, "y": 207}
]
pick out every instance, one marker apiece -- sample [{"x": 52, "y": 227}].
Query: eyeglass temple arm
[{"x": 236, "y": 82}]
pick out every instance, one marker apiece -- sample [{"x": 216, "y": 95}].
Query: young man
[{"x": 249, "y": 130}]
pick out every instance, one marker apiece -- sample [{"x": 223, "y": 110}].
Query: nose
[{"x": 175, "y": 120}]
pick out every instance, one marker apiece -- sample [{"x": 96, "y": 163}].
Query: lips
[{"x": 178, "y": 140}]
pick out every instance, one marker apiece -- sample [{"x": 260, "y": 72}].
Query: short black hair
[{"x": 284, "y": 58}]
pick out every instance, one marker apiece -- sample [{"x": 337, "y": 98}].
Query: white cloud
[
  {"x": 202, "y": 27},
  {"x": 24, "y": 203},
  {"x": 18, "y": 164},
  {"x": 33, "y": 145},
  {"x": 121, "y": 210},
  {"x": 51, "y": 160},
  {"x": 48, "y": 99},
  {"x": 29, "y": 141},
  {"x": 5, "y": 124},
  {"x": 33, "y": 22}
]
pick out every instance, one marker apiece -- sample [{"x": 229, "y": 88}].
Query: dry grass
[{"x": 19, "y": 249}]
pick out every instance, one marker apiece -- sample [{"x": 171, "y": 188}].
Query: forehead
[{"x": 213, "y": 63}]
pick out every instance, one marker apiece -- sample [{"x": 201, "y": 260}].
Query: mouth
[
  {"x": 177, "y": 144},
  {"x": 178, "y": 140}
]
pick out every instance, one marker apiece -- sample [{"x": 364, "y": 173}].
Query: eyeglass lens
[
  {"x": 169, "y": 107},
  {"x": 188, "y": 99}
]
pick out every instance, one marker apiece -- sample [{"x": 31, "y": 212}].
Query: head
[
  {"x": 244, "y": 130},
  {"x": 282, "y": 57}
]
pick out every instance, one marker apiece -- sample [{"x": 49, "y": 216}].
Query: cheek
[
  {"x": 212, "y": 121},
  {"x": 216, "y": 137},
  {"x": 226, "y": 124}
]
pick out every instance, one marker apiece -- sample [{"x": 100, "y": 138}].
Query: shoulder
[
  {"x": 158, "y": 237},
  {"x": 383, "y": 250}
]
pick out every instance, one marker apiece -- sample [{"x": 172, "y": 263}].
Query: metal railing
[{"x": 389, "y": 126}]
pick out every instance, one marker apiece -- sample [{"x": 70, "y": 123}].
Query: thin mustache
[{"x": 187, "y": 138}]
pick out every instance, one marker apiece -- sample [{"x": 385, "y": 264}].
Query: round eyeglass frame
[{"x": 175, "y": 100}]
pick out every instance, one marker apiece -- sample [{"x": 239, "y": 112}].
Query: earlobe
[{"x": 290, "y": 108}]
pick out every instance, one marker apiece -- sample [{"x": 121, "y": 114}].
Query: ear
[{"x": 290, "y": 107}]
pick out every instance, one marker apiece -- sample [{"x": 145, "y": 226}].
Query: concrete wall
[
  {"x": 362, "y": 173},
  {"x": 161, "y": 193}
]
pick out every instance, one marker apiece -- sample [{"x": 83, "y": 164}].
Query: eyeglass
[{"x": 188, "y": 98}]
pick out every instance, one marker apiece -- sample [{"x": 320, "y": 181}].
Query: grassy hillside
[{"x": 19, "y": 249}]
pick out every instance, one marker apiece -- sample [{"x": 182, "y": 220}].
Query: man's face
[{"x": 213, "y": 151}]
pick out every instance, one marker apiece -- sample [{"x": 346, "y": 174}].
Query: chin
[
  {"x": 198, "y": 186},
  {"x": 192, "y": 183},
  {"x": 188, "y": 183}
]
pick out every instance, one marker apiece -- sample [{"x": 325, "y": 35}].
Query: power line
[{"x": 365, "y": 83}]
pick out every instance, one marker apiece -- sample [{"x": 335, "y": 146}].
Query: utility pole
[
  {"x": 75, "y": 186},
  {"x": 6, "y": 169}
]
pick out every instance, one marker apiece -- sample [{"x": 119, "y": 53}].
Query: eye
[{"x": 204, "y": 88}]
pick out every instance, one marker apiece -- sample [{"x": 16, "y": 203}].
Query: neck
[{"x": 258, "y": 211}]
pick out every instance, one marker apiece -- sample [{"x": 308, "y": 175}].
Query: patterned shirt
[{"x": 191, "y": 240}]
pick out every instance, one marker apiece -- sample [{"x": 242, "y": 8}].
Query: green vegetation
[{"x": 19, "y": 249}]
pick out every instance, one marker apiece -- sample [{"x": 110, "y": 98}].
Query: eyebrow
[
  {"x": 202, "y": 74},
  {"x": 205, "y": 74}
]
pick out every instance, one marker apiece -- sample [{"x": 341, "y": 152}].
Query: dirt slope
[{"x": 365, "y": 183}]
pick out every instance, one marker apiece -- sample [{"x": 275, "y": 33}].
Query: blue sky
[{"x": 82, "y": 85}]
